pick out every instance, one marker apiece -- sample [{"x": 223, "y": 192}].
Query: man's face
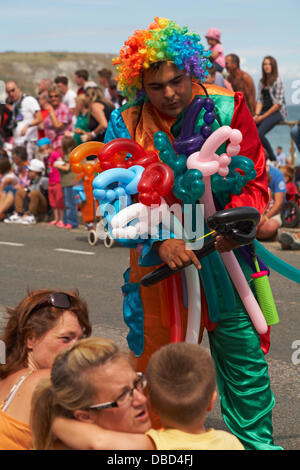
[
  {"x": 62, "y": 87},
  {"x": 13, "y": 92},
  {"x": 168, "y": 88},
  {"x": 229, "y": 64}
]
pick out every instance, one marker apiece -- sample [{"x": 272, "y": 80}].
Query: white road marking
[
  {"x": 11, "y": 244},
  {"x": 78, "y": 252}
]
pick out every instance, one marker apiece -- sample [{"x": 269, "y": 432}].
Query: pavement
[{"x": 41, "y": 256}]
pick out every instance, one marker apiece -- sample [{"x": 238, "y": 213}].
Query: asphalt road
[{"x": 38, "y": 256}]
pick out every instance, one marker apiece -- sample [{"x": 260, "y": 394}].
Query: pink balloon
[{"x": 206, "y": 161}]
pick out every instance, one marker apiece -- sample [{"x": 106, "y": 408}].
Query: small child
[
  {"x": 291, "y": 189},
  {"x": 181, "y": 384},
  {"x": 213, "y": 37},
  {"x": 70, "y": 219},
  {"x": 55, "y": 192},
  {"x": 8, "y": 182}
]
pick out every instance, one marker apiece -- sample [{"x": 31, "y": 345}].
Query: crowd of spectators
[{"x": 37, "y": 135}]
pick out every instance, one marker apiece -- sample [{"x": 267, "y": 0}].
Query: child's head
[
  {"x": 288, "y": 173},
  {"x": 213, "y": 36},
  {"x": 181, "y": 382},
  {"x": 68, "y": 144},
  {"x": 44, "y": 146},
  {"x": 19, "y": 155},
  {"x": 5, "y": 165},
  {"x": 35, "y": 168}
]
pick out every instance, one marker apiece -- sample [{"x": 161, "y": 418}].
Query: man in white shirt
[
  {"x": 26, "y": 115},
  {"x": 69, "y": 96}
]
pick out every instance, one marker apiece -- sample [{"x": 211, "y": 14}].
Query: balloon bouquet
[{"x": 134, "y": 188}]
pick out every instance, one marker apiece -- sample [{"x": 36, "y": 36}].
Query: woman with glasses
[
  {"x": 43, "y": 324},
  {"x": 92, "y": 382},
  {"x": 59, "y": 119}
]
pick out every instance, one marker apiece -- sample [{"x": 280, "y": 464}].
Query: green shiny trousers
[{"x": 242, "y": 377}]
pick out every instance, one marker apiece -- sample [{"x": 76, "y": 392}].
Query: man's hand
[
  {"x": 24, "y": 130},
  {"x": 174, "y": 253},
  {"x": 225, "y": 243}
]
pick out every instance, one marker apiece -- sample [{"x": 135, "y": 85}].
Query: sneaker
[
  {"x": 13, "y": 219},
  {"x": 289, "y": 241},
  {"x": 28, "y": 220}
]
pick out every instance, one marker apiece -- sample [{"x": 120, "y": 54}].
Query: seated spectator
[
  {"x": 59, "y": 119},
  {"x": 70, "y": 218},
  {"x": 98, "y": 114},
  {"x": 8, "y": 182},
  {"x": 44, "y": 323},
  {"x": 19, "y": 156},
  {"x": 31, "y": 202},
  {"x": 181, "y": 385},
  {"x": 43, "y": 102},
  {"x": 271, "y": 219},
  {"x": 292, "y": 192},
  {"x": 69, "y": 96}
]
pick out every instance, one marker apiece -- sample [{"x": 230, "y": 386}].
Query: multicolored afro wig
[{"x": 164, "y": 40}]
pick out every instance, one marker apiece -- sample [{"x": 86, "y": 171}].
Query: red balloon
[
  {"x": 156, "y": 182},
  {"x": 113, "y": 154}
]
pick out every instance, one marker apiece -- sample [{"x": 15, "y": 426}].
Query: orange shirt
[{"x": 14, "y": 435}]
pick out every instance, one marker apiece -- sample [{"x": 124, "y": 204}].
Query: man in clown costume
[{"x": 161, "y": 70}]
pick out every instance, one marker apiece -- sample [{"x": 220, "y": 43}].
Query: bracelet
[
  {"x": 266, "y": 218},
  {"x": 93, "y": 134}
]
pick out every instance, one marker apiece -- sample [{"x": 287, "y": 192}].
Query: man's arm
[{"x": 36, "y": 121}]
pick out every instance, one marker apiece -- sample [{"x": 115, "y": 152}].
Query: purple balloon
[
  {"x": 188, "y": 145},
  {"x": 205, "y": 131},
  {"x": 209, "y": 104},
  {"x": 209, "y": 117},
  {"x": 191, "y": 115}
]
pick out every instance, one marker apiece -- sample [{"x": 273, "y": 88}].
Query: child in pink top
[
  {"x": 213, "y": 37},
  {"x": 55, "y": 192}
]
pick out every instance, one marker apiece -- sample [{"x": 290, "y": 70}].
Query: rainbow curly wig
[{"x": 164, "y": 40}]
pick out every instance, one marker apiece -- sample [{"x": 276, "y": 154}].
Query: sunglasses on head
[{"x": 56, "y": 299}]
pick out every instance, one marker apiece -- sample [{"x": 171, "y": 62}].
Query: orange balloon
[{"x": 85, "y": 150}]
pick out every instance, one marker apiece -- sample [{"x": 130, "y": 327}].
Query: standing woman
[
  {"x": 98, "y": 115},
  {"x": 270, "y": 106},
  {"x": 59, "y": 119}
]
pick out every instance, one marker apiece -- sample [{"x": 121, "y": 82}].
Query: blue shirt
[{"x": 277, "y": 184}]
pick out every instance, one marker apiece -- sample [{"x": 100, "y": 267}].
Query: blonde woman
[{"x": 92, "y": 383}]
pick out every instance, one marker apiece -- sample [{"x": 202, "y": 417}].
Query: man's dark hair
[
  {"x": 82, "y": 73},
  {"x": 235, "y": 59},
  {"x": 106, "y": 73},
  {"x": 62, "y": 79}
]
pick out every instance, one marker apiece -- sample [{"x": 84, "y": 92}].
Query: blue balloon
[
  {"x": 117, "y": 182},
  {"x": 273, "y": 262}
]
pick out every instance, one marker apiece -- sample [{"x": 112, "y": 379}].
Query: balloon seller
[{"x": 161, "y": 70}]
